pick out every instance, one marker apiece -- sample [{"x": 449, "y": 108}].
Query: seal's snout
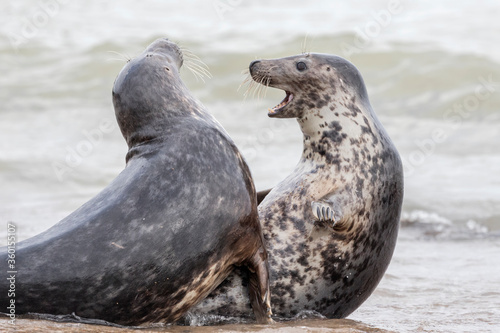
[
  {"x": 165, "y": 49},
  {"x": 252, "y": 64},
  {"x": 258, "y": 74},
  {"x": 267, "y": 73},
  {"x": 255, "y": 70}
]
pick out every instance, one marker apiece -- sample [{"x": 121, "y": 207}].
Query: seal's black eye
[{"x": 301, "y": 66}]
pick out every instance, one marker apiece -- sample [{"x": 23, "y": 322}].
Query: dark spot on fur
[
  {"x": 321, "y": 102},
  {"x": 303, "y": 260},
  {"x": 359, "y": 187},
  {"x": 335, "y": 125},
  {"x": 335, "y": 135},
  {"x": 297, "y": 278}
]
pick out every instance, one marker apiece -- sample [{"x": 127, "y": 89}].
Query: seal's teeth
[{"x": 288, "y": 98}]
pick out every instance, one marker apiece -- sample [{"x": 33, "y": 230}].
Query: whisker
[
  {"x": 248, "y": 78},
  {"x": 263, "y": 86},
  {"x": 304, "y": 44},
  {"x": 115, "y": 59},
  {"x": 202, "y": 69},
  {"x": 199, "y": 75},
  {"x": 251, "y": 85},
  {"x": 195, "y": 65},
  {"x": 260, "y": 87},
  {"x": 266, "y": 86},
  {"x": 268, "y": 81},
  {"x": 188, "y": 53},
  {"x": 256, "y": 85},
  {"x": 124, "y": 57},
  {"x": 253, "y": 88}
]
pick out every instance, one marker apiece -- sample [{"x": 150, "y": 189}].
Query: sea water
[{"x": 432, "y": 73}]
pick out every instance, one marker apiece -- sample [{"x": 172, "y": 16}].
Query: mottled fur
[
  {"x": 167, "y": 230},
  {"x": 332, "y": 261}
]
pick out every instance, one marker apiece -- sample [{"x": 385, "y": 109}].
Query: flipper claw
[{"x": 323, "y": 212}]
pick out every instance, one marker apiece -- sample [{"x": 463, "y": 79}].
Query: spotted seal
[
  {"x": 330, "y": 226},
  {"x": 166, "y": 231}
]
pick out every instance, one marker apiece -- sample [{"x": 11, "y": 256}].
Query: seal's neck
[{"x": 336, "y": 126}]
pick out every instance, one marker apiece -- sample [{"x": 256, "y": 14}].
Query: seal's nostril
[{"x": 253, "y": 63}]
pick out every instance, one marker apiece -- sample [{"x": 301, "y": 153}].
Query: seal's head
[
  {"x": 159, "y": 63},
  {"x": 149, "y": 95},
  {"x": 311, "y": 81}
]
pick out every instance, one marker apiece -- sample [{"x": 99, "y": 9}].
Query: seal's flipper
[
  {"x": 260, "y": 296},
  {"x": 323, "y": 211},
  {"x": 327, "y": 209},
  {"x": 261, "y": 195}
]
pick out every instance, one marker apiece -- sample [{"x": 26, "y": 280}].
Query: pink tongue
[{"x": 282, "y": 104}]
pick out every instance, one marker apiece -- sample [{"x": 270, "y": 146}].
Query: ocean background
[{"x": 432, "y": 71}]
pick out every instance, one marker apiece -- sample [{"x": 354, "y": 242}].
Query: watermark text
[{"x": 11, "y": 271}]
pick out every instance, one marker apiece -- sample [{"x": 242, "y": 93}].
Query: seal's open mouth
[{"x": 288, "y": 98}]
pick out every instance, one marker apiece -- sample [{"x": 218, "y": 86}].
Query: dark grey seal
[
  {"x": 166, "y": 231},
  {"x": 331, "y": 226}
]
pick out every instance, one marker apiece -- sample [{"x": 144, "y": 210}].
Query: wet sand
[{"x": 308, "y": 325}]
